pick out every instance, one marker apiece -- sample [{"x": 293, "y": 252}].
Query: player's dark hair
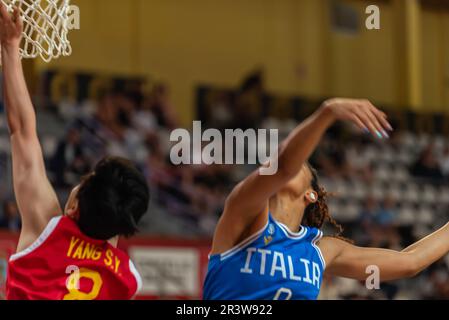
[
  {"x": 112, "y": 199},
  {"x": 317, "y": 214}
]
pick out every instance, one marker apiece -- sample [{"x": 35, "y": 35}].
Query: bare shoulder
[{"x": 331, "y": 248}]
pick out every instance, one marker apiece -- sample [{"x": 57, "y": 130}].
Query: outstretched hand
[
  {"x": 11, "y": 27},
  {"x": 362, "y": 113}
]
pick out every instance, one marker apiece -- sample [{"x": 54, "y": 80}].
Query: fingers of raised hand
[
  {"x": 4, "y": 15},
  {"x": 373, "y": 119}
]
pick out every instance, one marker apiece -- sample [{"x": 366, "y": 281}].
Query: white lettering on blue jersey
[
  {"x": 274, "y": 267},
  {"x": 292, "y": 271},
  {"x": 264, "y": 254},
  {"x": 274, "y": 263},
  {"x": 246, "y": 269},
  {"x": 278, "y": 266},
  {"x": 316, "y": 274},
  {"x": 306, "y": 268}
]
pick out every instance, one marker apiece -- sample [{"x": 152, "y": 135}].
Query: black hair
[{"x": 112, "y": 199}]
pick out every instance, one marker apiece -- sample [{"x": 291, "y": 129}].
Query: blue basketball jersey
[{"x": 273, "y": 264}]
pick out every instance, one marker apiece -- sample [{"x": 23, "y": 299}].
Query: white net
[{"x": 45, "y": 28}]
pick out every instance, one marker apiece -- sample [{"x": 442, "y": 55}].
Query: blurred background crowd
[{"x": 386, "y": 193}]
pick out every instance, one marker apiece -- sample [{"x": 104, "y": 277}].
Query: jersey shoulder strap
[{"x": 45, "y": 235}]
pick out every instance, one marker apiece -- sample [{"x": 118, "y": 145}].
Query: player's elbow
[
  {"x": 24, "y": 135},
  {"x": 14, "y": 126},
  {"x": 21, "y": 127}
]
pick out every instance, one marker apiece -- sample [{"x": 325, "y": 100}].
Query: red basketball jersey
[{"x": 64, "y": 264}]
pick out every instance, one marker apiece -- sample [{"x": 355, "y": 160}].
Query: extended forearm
[
  {"x": 303, "y": 140},
  {"x": 430, "y": 249},
  {"x": 19, "y": 109}
]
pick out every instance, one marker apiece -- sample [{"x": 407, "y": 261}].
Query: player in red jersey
[{"x": 66, "y": 254}]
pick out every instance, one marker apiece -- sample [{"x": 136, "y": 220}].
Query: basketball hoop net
[{"x": 44, "y": 27}]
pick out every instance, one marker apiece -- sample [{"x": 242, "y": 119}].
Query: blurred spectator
[
  {"x": 162, "y": 108},
  {"x": 371, "y": 235},
  {"x": 220, "y": 111},
  {"x": 332, "y": 161},
  {"x": 250, "y": 101},
  {"x": 427, "y": 165},
  {"x": 386, "y": 215},
  {"x": 69, "y": 162},
  {"x": 444, "y": 162},
  {"x": 134, "y": 125},
  {"x": 386, "y": 219},
  {"x": 379, "y": 224},
  {"x": 11, "y": 217},
  {"x": 144, "y": 120}
]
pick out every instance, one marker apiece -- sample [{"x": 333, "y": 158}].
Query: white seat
[
  {"x": 49, "y": 145},
  {"x": 405, "y": 157},
  {"x": 444, "y": 195},
  {"x": 342, "y": 189},
  {"x": 328, "y": 184},
  {"x": 359, "y": 191},
  {"x": 400, "y": 174},
  {"x": 395, "y": 192},
  {"x": 335, "y": 209},
  {"x": 407, "y": 215},
  {"x": 383, "y": 173},
  {"x": 370, "y": 153},
  {"x": 425, "y": 215},
  {"x": 440, "y": 143},
  {"x": 387, "y": 154},
  {"x": 377, "y": 191},
  {"x": 407, "y": 139},
  {"x": 429, "y": 194},
  {"x": 412, "y": 193},
  {"x": 357, "y": 157},
  {"x": 349, "y": 212}
]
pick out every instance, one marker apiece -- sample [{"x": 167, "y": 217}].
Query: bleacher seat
[{"x": 407, "y": 215}]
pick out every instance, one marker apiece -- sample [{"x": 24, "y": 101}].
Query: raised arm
[
  {"x": 346, "y": 260},
  {"x": 35, "y": 196},
  {"x": 249, "y": 200}
]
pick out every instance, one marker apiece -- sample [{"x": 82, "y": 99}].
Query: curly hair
[{"x": 317, "y": 214}]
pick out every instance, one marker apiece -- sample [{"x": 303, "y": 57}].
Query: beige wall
[
  {"x": 435, "y": 60},
  {"x": 188, "y": 42}
]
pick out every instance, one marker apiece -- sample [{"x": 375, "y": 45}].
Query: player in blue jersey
[{"x": 268, "y": 243}]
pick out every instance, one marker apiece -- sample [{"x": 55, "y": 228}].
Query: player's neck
[
  {"x": 114, "y": 242},
  {"x": 287, "y": 212}
]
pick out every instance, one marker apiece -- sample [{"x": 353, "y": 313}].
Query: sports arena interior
[{"x": 143, "y": 68}]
